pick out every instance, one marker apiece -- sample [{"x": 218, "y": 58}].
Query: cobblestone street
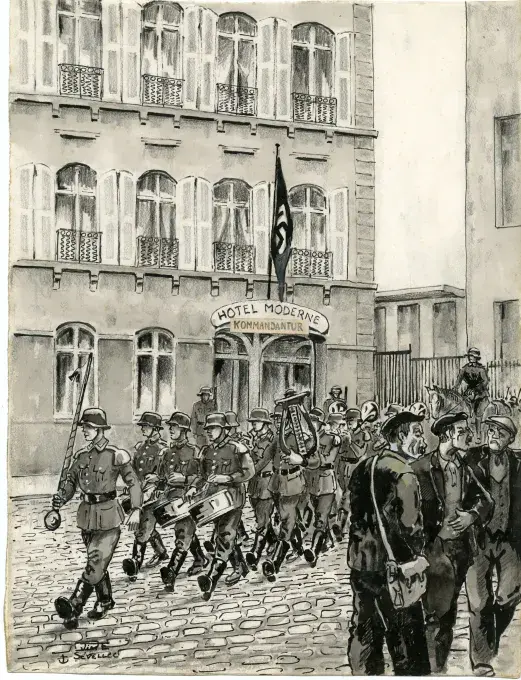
[{"x": 296, "y": 626}]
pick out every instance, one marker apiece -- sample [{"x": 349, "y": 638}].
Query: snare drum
[
  {"x": 168, "y": 511},
  {"x": 210, "y": 508}
]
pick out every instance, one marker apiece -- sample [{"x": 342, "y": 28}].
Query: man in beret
[
  {"x": 453, "y": 504},
  {"x": 374, "y": 618},
  {"x": 498, "y": 469}
]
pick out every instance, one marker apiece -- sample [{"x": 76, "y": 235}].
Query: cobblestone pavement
[{"x": 296, "y": 626}]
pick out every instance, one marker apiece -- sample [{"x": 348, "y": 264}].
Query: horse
[{"x": 443, "y": 400}]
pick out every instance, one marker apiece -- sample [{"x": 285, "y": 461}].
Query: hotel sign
[{"x": 269, "y": 316}]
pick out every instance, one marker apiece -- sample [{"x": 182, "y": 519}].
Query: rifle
[{"x": 52, "y": 519}]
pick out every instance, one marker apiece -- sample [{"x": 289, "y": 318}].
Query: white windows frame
[
  {"x": 162, "y": 345},
  {"x": 313, "y": 49},
  {"x": 159, "y": 28},
  {"x": 78, "y": 191},
  {"x": 73, "y": 343},
  {"x": 308, "y": 210},
  {"x": 503, "y": 218},
  {"x": 158, "y": 199},
  {"x": 79, "y": 13},
  {"x": 234, "y": 207},
  {"x": 236, "y": 38}
]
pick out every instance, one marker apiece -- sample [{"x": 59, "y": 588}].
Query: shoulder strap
[{"x": 381, "y": 528}]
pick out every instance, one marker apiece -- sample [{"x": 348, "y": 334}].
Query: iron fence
[
  {"x": 81, "y": 81},
  {"x": 234, "y": 99},
  {"x": 311, "y": 263},
  {"x": 161, "y": 91},
  {"x": 314, "y": 109},
  {"x": 153, "y": 251},
  {"x": 78, "y": 246},
  {"x": 229, "y": 257}
]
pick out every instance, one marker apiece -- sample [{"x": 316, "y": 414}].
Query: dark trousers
[
  {"x": 375, "y": 620},
  {"x": 287, "y": 510},
  {"x": 225, "y": 533},
  {"x": 263, "y": 509},
  {"x": 322, "y": 507},
  {"x": 184, "y": 532},
  {"x": 100, "y": 545}
]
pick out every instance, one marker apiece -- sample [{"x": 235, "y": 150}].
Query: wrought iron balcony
[
  {"x": 231, "y": 258},
  {"x": 311, "y": 108},
  {"x": 81, "y": 81},
  {"x": 161, "y": 91},
  {"x": 311, "y": 263},
  {"x": 153, "y": 251},
  {"x": 239, "y": 100},
  {"x": 78, "y": 246}
]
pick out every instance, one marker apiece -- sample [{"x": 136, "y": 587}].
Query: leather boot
[
  {"x": 312, "y": 553},
  {"x": 132, "y": 565},
  {"x": 339, "y": 526},
  {"x": 104, "y": 601},
  {"x": 242, "y": 534},
  {"x": 70, "y": 609},
  {"x": 160, "y": 552},
  {"x": 208, "y": 582},
  {"x": 240, "y": 568},
  {"x": 503, "y": 615},
  {"x": 200, "y": 560},
  {"x": 307, "y": 517},
  {"x": 169, "y": 573},
  {"x": 272, "y": 567},
  {"x": 296, "y": 545},
  {"x": 272, "y": 540},
  {"x": 253, "y": 556}
]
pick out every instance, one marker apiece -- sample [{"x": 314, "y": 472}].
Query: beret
[
  {"x": 504, "y": 422},
  {"x": 394, "y": 422},
  {"x": 448, "y": 419}
]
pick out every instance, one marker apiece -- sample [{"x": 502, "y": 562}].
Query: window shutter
[
  {"x": 266, "y": 69},
  {"x": 204, "y": 225},
  {"x": 283, "y": 70},
  {"x": 46, "y": 46},
  {"x": 23, "y": 41},
  {"x": 44, "y": 229},
  {"x": 23, "y": 232},
  {"x": 191, "y": 56},
  {"x": 339, "y": 231},
  {"x": 261, "y": 226},
  {"x": 131, "y": 51},
  {"x": 208, "y": 50},
  {"x": 344, "y": 79},
  {"x": 111, "y": 18},
  {"x": 185, "y": 227},
  {"x": 108, "y": 217},
  {"x": 127, "y": 219}
]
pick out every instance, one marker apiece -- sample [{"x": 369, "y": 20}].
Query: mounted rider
[{"x": 475, "y": 377}]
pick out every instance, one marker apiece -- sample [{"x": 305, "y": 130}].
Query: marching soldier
[
  {"x": 146, "y": 464},
  {"x": 201, "y": 409},
  {"x": 261, "y": 500},
  {"x": 225, "y": 465},
  {"x": 95, "y": 471},
  {"x": 322, "y": 484},
  {"x": 178, "y": 468},
  {"x": 335, "y": 395}
]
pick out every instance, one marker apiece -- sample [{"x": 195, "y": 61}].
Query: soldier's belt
[
  {"x": 327, "y": 466},
  {"x": 95, "y": 498},
  {"x": 268, "y": 473},
  {"x": 348, "y": 460},
  {"x": 287, "y": 471}
]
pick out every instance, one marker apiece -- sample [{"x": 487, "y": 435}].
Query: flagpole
[{"x": 274, "y": 217}]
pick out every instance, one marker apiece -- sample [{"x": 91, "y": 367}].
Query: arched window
[
  {"x": 309, "y": 212},
  {"x": 236, "y": 63},
  {"x": 154, "y": 371},
  {"x": 72, "y": 346},
  {"x": 155, "y": 220},
  {"x": 313, "y": 60},
  {"x": 76, "y": 224},
  {"x": 232, "y": 226}
]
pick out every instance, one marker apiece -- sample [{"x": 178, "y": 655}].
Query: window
[
  {"x": 313, "y": 60},
  {"x": 162, "y": 54},
  {"x": 508, "y": 171},
  {"x": 73, "y": 345},
  {"x": 444, "y": 329},
  {"x": 34, "y": 236},
  {"x": 380, "y": 324},
  {"x": 409, "y": 328},
  {"x": 154, "y": 377},
  {"x": 507, "y": 330},
  {"x": 308, "y": 209},
  {"x": 78, "y": 238},
  {"x": 79, "y": 31},
  {"x": 233, "y": 241},
  {"x": 236, "y": 64},
  {"x": 156, "y": 205}
]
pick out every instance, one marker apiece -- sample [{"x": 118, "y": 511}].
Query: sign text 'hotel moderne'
[{"x": 268, "y": 316}]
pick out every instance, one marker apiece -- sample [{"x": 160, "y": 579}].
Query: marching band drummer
[
  {"x": 225, "y": 465},
  {"x": 178, "y": 468}
]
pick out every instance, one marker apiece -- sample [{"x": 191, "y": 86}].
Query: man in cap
[
  {"x": 473, "y": 375},
  {"x": 225, "y": 465},
  {"x": 145, "y": 462},
  {"x": 178, "y": 468},
  {"x": 95, "y": 471},
  {"x": 498, "y": 469},
  {"x": 201, "y": 409},
  {"x": 375, "y": 618},
  {"x": 453, "y": 504},
  {"x": 261, "y": 499},
  {"x": 335, "y": 395}
]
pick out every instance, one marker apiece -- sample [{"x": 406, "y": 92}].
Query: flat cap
[
  {"x": 504, "y": 422},
  {"x": 442, "y": 422},
  {"x": 394, "y": 422}
]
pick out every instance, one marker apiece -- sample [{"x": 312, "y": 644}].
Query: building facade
[
  {"x": 142, "y": 154},
  {"x": 493, "y": 171}
]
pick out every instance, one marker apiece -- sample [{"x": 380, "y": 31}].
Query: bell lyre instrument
[
  {"x": 293, "y": 413},
  {"x": 52, "y": 519}
]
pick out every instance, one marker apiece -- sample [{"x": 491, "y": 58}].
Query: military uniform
[
  {"x": 200, "y": 411},
  {"x": 475, "y": 377}
]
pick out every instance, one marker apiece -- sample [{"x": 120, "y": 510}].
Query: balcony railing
[
  {"x": 233, "y": 99},
  {"x": 161, "y": 91},
  {"x": 311, "y": 263},
  {"x": 231, "y": 258},
  {"x": 79, "y": 246},
  {"x": 311, "y": 108},
  {"x": 153, "y": 251},
  {"x": 81, "y": 81}
]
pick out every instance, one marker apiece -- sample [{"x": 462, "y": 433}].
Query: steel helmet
[
  {"x": 370, "y": 411},
  {"x": 419, "y": 409}
]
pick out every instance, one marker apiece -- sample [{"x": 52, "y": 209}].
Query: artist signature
[{"x": 88, "y": 651}]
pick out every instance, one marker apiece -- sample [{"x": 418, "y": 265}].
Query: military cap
[
  {"x": 393, "y": 409},
  {"x": 419, "y": 408},
  {"x": 259, "y": 415},
  {"x": 402, "y": 418},
  {"x": 204, "y": 390},
  {"x": 231, "y": 419},
  {"x": 215, "y": 420},
  {"x": 150, "y": 418},
  {"x": 317, "y": 414},
  {"x": 180, "y": 419},
  {"x": 504, "y": 422},
  {"x": 442, "y": 422},
  {"x": 277, "y": 412},
  {"x": 369, "y": 411},
  {"x": 474, "y": 351},
  {"x": 95, "y": 417},
  {"x": 335, "y": 388},
  {"x": 289, "y": 393},
  {"x": 335, "y": 418},
  {"x": 352, "y": 414}
]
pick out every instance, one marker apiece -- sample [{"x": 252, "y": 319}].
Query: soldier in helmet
[
  {"x": 225, "y": 464},
  {"x": 474, "y": 377},
  {"x": 201, "y": 409},
  {"x": 335, "y": 395},
  {"x": 95, "y": 471},
  {"x": 146, "y": 465}
]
